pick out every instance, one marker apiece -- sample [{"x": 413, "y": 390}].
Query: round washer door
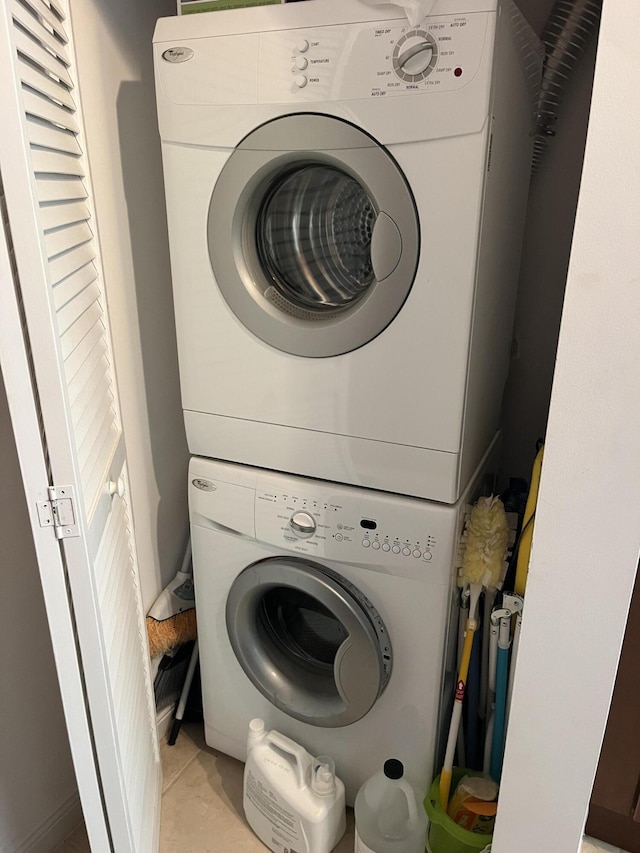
[
  {"x": 313, "y": 235},
  {"x": 309, "y": 640}
]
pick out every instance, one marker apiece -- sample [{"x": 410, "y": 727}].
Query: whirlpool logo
[
  {"x": 204, "y": 485},
  {"x": 177, "y": 54}
]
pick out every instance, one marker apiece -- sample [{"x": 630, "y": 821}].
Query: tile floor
[{"x": 202, "y": 805}]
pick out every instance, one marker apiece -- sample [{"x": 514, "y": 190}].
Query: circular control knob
[
  {"x": 300, "y": 81},
  {"x": 303, "y": 45},
  {"x": 415, "y": 56},
  {"x": 302, "y": 524},
  {"x": 301, "y": 62}
]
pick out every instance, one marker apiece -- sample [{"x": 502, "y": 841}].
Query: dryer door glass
[
  {"x": 313, "y": 235},
  {"x": 308, "y": 640}
]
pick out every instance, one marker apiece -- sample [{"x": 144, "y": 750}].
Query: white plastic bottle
[
  {"x": 292, "y": 801},
  {"x": 389, "y": 811}
]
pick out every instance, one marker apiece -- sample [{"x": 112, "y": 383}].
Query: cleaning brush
[{"x": 485, "y": 546}]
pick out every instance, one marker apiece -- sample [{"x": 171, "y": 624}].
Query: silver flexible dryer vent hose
[{"x": 570, "y": 28}]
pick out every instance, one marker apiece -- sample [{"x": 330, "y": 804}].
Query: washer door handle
[{"x": 386, "y": 246}]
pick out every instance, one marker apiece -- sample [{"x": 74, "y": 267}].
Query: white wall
[
  {"x": 113, "y": 43},
  {"x": 587, "y": 534},
  {"x": 39, "y": 804}
]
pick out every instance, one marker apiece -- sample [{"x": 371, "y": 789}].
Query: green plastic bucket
[{"x": 445, "y": 835}]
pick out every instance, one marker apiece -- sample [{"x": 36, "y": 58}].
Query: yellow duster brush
[{"x": 485, "y": 547}]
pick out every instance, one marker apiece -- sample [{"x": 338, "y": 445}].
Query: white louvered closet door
[{"x": 60, "y": 295}]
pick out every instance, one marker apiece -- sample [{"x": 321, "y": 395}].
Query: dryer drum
[
  {"x": 309, "y": 640},
  {"x": 313, "y": 236}
]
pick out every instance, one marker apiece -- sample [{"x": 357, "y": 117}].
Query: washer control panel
[
  {"x": 371, "y": 60},
  {"x": 413, "y": 538}
]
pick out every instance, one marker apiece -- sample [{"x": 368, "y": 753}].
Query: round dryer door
[
  {"x": 309, "y": 640},
  {"x": 313, "y": 235}
]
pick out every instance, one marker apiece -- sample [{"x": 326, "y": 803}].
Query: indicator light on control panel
[{"x": 457, "y": 72}]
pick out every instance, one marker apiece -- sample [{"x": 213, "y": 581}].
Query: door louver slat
[
  {"x": 106, "y": 554},
  {"x": 57, "y": 7},
  {"x": 56, "y": 163},
  {"x": 63, "y": 265},
  {"x": 54, "y": 20},
  {"x": 33, "y": 49},
  {"x": 36, "y": 104},
  {"x": 96, "y": 365},
  {"x": 62, "y": 239},
  {"x": 33, "y": 76},
  {"x": 88, "y": 456},
  {"x": 96, "y": 411},
  {"x": 86, "y": 422},
  {"x": 35, "y": 27},
  {"x": 43, "y": 134},
  {"x": 72, "y": 310},
  {"x": 75, "y": 359},
  {"x": 58, "y": 215},
  {"x": 83, "y": 391},
  {"x": 56, "y": 188},
  {"x": 74, "y": 334},
  {"x": 73, "y": 285}
]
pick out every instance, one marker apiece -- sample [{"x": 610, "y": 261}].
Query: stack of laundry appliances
[{"x": 346, "y": 198}]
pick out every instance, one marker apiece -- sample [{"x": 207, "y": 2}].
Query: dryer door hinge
[{"x": 59, "y": 512}]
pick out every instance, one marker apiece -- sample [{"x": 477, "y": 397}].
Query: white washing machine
[
  {"x": 346, "y": 198},
  {"x": 323, "y": 609}
]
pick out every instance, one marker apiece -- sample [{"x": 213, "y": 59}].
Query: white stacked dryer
[{"x": 346, "y": 197}]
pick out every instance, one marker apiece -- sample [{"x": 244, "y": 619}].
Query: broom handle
[{"x": 447, "y": 769}]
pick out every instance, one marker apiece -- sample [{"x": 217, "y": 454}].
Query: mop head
[
  {"x": 168, "y": 633},
  {"x": 485, "y": 542}
]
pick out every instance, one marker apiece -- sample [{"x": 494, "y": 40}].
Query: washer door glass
[
  {"x": 301, "y": 628},
  {"x": 308, "y": 640},
  {"x": 313, "y": 236}
]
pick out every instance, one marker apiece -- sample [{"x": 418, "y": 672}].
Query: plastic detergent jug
[
  {"x": 389, "y": 814},
  {"x": 292, "y": 801}
]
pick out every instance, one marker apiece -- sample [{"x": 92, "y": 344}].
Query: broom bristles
[{"x": 168, "y": 633}]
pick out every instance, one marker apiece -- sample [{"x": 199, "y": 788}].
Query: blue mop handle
[{"x": 499, "y": 720}]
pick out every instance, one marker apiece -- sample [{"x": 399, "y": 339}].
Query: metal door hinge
[{"x": 59, "y": 512}]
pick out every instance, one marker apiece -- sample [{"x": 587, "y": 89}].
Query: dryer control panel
[
  {"x": 334, "y": 63},
  {"x": 371, "y": 61}
]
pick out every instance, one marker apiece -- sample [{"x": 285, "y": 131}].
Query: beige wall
[
  {"x": 38, "y": 796},
  {"x": 113, "y": 46}
]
